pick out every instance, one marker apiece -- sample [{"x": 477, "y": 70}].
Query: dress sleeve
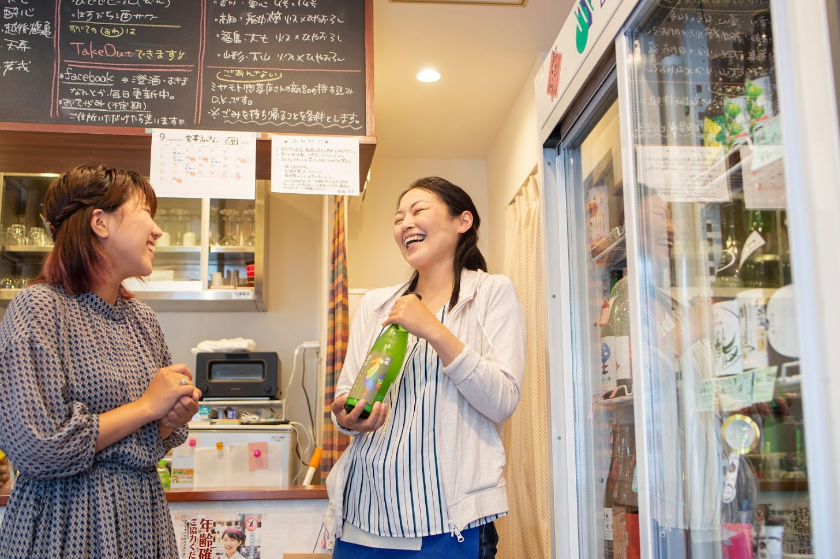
[
  {"x": 164, "y": 359},
  {"x": 46, "y": 435},
  {"x": 491, "y": 380}
]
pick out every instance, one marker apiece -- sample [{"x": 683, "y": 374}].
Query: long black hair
[{"x": 467, "y": 254}]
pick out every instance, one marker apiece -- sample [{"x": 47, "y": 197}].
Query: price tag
[
  {"x": 243, "y": 294},
  {"x": 730, "y": 478},
  {"x": 764, "y": 383}
]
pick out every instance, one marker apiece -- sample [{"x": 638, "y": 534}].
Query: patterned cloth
[
  {"x": 338, "y": 332},
  {"x": 63, "y": 360}
]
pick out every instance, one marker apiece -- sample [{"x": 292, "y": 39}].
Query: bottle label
[
  {"x": 608, "y": 380},
  {"x": 752, "y": 314},
  {"x": 367, "y": 384},
  {"x": 726, "y": 338},
  {"x": 623, "y": 369},
  {"x": 619, "y": 533},
  {"x": 608, "y": 530},
  {"x": 730, "y": 478},
  {"x": 605, "y": 312},
  {"x": 725, "y": 262},
  {"x": 754, "y": 242}
]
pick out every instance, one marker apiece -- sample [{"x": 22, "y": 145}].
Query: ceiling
[{"x": 484, "y": 53}]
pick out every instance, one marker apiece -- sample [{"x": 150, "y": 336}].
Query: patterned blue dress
[{"x": 65, "y": 359}]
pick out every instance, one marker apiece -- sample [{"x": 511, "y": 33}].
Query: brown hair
[
  {"x": 78, "y": 260},
  {"x": 467, "y": 254}
]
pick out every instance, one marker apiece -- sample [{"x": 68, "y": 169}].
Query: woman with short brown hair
[{"x": 91, "y": 399}]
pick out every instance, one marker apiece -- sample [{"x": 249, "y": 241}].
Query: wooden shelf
[
  {"x": 792, "y": 484},
  {"x": 248, "y": 494},
  {"x": 296, "y": 492}
]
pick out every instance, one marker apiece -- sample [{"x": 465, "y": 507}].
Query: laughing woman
[
  {"x": 91, "y": 400},
  {"x": 423, "y": 476}
]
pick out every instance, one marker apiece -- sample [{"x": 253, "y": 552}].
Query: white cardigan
[{"x": 480, "y": 390}]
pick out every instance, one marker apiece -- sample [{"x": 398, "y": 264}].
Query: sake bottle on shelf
[
  {"x": 380, "y": 369},
  {"x": 620, "y": 323},
  {"x": 728, "y": 272},
  {"x": 759, "y": 257},
  {"x": 625, "y": 498},
  {"x": 609, "y": 491},
  {"x": 608, "y": 380}
]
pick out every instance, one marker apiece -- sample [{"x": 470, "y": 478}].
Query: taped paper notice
[{"x": 685, "y": 173}]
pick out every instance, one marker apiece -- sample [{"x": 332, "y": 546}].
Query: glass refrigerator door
[
  {"x": 720, "y": 421},
  {"x": 604, "y": 448}
]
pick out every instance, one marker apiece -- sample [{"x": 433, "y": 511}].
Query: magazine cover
[{"x": 233, "y": 536}]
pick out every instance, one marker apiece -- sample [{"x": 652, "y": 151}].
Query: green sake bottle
[{"x": 380, "y": 369}]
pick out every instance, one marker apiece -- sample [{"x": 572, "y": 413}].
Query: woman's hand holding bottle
[
  {"x": 415, "y": 317},
  {"x": 353, "y": 420},
  {"x": 410, "y": 313}
]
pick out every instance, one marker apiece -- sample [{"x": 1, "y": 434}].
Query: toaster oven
[{"x": 238, "y": 375}]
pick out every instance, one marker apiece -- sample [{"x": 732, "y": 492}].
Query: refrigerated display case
[{"x": 689, "y": 374}]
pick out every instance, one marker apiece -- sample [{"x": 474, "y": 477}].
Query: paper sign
[
  {"x": 764, "y": 384},
  {"x": 735, "y": 392},
  {"x": 685, "y": 173},
  {"x": 706, "y": 397},
  {"x": 212, "y": 468},
  {"x": 315, "y": 165},
  {"x": 203, "y": 164},
  {"x": 258, "y": 456},
  {"x": 585, "y": 23}
]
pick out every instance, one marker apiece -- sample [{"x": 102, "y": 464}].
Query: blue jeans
[{"x": 479, "y": 543}]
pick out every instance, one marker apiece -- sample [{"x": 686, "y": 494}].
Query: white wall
[
  {"x": 374, "y": 260},
  {"x": 512, "y": 157},
  {"x": 295, "y": 287}
]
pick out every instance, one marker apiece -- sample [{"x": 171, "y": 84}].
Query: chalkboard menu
[
  {"x": 706, "y": 72},
  {"x": 293, "y": 66}
]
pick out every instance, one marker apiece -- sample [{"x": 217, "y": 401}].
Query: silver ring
[{"x": 183, "y": 382}]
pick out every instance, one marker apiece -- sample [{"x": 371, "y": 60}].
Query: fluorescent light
[{"x": 428, "y": 75}]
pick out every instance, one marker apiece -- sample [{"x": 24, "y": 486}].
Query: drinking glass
[
  {"x": 180, "y": 224},
  {"x": 16, "y": 234},
  {"x": 38, "y": 237},
  {"x": 230, "y": 217},
  {"x": 251, "y": 218}
]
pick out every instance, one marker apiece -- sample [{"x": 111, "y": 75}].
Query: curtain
[
  {"x": 526, "y": 532},
  {"x": 338, "y": 330}
]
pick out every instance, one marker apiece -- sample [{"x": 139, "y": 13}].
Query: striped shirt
[{"x": 395, "y": 486}]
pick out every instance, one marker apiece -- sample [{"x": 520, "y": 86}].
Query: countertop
[{"x": 295, "y": 492}]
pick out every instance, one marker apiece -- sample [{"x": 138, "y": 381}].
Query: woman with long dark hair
[{"x": 424, "y": 471}]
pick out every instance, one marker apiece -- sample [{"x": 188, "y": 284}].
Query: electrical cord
[
  {"x": 300, "y": 450},
  {"x": 305, "y": 346},
  {"x": 306, "y": 394}
]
